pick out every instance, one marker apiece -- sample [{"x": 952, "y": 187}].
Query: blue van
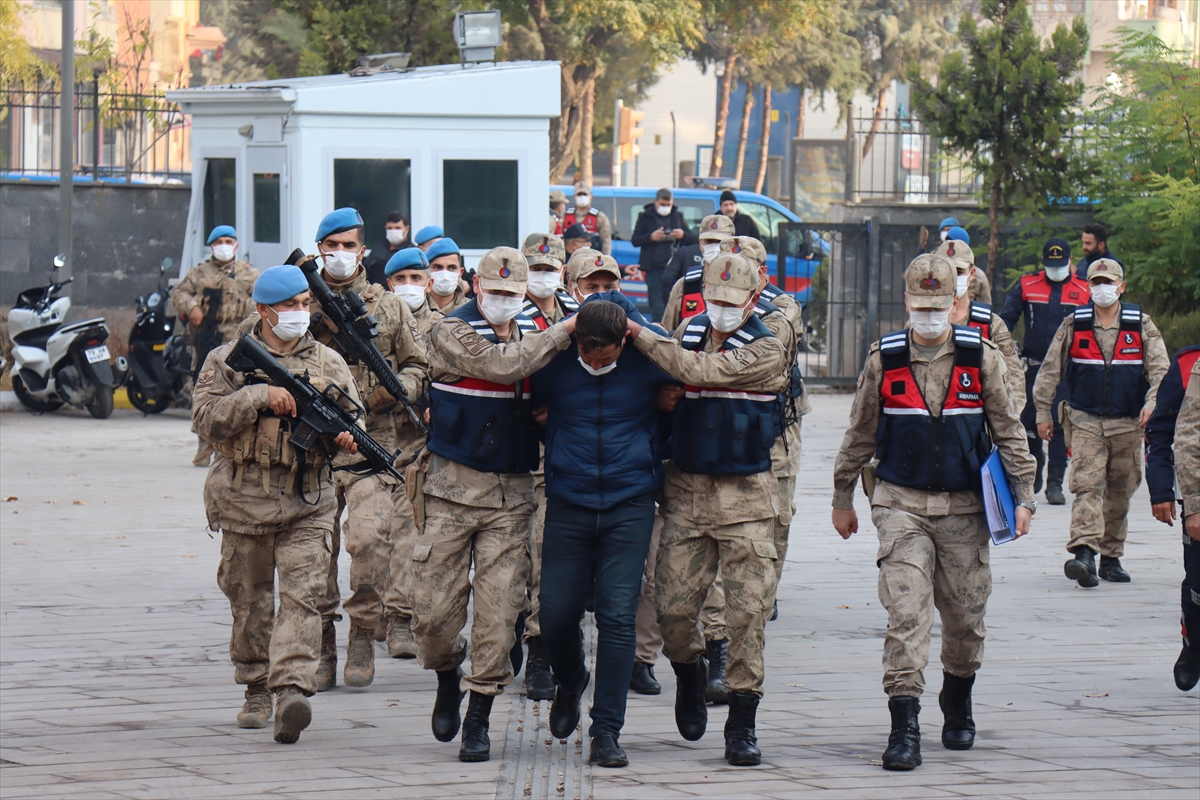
[{"x": 622, "y": 204}]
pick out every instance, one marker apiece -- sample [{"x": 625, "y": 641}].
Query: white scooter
[{"x": 56, "y": 364}]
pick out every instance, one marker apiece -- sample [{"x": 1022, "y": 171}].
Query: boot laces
[{"x": 360, "y": 648}]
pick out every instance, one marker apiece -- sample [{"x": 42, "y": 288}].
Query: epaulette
[{"x": 967, "y": 337}]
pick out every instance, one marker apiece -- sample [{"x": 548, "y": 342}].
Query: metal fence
[
  {"x": 904, "y": 163},
  {"x": 118, "y": 135}
]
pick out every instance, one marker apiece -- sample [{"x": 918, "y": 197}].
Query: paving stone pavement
[{"x": 115, "y": 679}]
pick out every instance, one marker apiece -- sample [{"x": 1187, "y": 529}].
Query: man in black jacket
[
  {"x": 660, "y": 229},
  {"x": 743, "y": 224},
  {"x": 397, "y": 239}
]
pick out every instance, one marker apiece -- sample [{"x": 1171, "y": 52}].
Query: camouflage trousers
[
  {"x": 926, "y": 563},
  {"x": 1105, "y": 472},
  {"x": 537, "y": 532},
  {"x": 712, "y": 616},
  {"x": 689, "y": 556},
  {"x": 649, "y": 637},
  {"x": 368, "y": 537},
  {"x": 497, "y": 540},
  {"x": 280, "y": 647},
  {"x": 396, "y": 601}
]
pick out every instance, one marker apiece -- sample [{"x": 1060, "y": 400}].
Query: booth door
[{"x": 270, "y": 237}]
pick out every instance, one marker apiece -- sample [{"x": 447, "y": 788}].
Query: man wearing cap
[
  {"x": 590, "y": 271},
  {"x": 575, "y": 238},
  {"x": 1045, "y": 298},
  {"x": 395, "y": 239},
  {"x": 446, "y": 292},
  {"x": 368, "y": 498},
  {"x": 743, "y": 224},
  {"x": 972, "y": 313},
  {"x": 473, "y": 491},
  {"x": 221, "y": 286},
  {"x": 408, "y": 278},
  {"x": 978, "y": 287},
  {"x": 593, "y": 220},
  {"x": 720, "y": 497},
  {"x": 685, "y": 273},
  {"x": 276, "y": 519},
  {"x": 428, "y": 236},
  {"x": 927, "y": 498},
  {"x": 659, "y": 232},
  {"x": 558, "y": 207},
  {"x": 1112, "y": 358}
]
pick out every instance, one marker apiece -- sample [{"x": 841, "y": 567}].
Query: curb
[{"x": 9, "y": 401}]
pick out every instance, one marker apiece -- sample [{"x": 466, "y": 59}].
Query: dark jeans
[
  {"x": 1191, "y": 593},
  {"x": 654, "y": 291},
  {"x": 608, "y": 548},
  {"x": 1058, "y": 445}
]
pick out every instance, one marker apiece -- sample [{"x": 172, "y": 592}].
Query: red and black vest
[
  {"x": 918, "y": 450},
  {"x": 1115, "y": 388},
  {"x": 590, "y": 223},
  {"x": 1035, "y": 288},
  {"x": 693, "y": 293},
  {"x": 720, "y": 431},
  {"x": 565, "y": 302},
  {"x": 484, "y": 425},
  {"x": 980, "y": 319}
]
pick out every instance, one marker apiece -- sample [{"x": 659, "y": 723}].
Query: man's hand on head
[{"x": 633, "y": 329}]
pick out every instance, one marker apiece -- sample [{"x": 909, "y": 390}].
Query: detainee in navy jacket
[
  {"x": 1160, "y": 430},
  {"x": 604, "y": 434}
]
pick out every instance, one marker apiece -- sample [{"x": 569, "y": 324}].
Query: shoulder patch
[{"x": 204, "y": 380}]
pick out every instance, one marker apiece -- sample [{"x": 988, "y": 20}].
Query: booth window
[
  {"x": 266, "y": 207},
  {"x": 220, "y": 193},
  {"x": 374, "y": 187},
  {"x": 480, "y": 207}
]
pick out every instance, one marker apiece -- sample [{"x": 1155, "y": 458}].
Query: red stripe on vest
[
  {"x": 966, "y": 389},
  {"x": 900, "y": 390},
  {"x": 590, "y": 221},
  {"x": 693, "y": 304},
  {"x": 1186, "y": 362},
  {"x": 488, "y": 386},
  {"x": 1035, "y": 288},
  {"x": 1129, "y": 347},
  {"x": 984, "y": 328}
]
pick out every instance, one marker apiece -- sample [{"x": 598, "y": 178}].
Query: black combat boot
[
  {"x": 1112, "y": 571},
  {"x": 741, "y": 745},
  {"x": 476, "y": 746},
  {"x": 517, "y": 654},
  {"x": 564, "y": 713},
  {"x": 1187, "y": 666},
  {"x": 774, "y": 612},
  {"x": 691, "y": 714},
  {"x": 904, "y": 743},
  {"x": 1040, "y": 457},
  {"x": 327, "y": 666},
  {"x": 607, "y": 753},
  {"x": 958, "y": 731},
  {"x": 1054, "y": 483},
  {"x": 716, "y": 692},
  {"x": 446, "y": 714},
  {"x": 643, "y": 681},
  {"x": 1082, "y": 567},
  {"x": 539, "y": 685}
]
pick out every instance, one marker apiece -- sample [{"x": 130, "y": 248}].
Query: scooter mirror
[
  {"x": 60, "y": 260},
  {"x": 167, "y": 263}
]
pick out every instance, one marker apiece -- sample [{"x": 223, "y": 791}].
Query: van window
[{"x": 762, "y": 218}]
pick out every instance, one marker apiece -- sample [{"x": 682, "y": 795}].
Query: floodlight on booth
[{"x": 478, "y": 34}]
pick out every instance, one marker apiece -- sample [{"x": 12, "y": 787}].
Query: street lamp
[{"x": 478, "y": 35}]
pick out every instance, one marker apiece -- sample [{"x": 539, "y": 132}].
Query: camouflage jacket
[
  {"x": 236, "y": 282},
  {"x": 1187, "y": 445}
]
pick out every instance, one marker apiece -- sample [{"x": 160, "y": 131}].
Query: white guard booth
[{"x": 464, "y": 148}]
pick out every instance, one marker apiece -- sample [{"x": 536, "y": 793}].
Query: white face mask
[
  {"x": 961, "y": 283},
  {"x": 929, "y": 323},
  {"x": 340, "y": 264},
  {"x": 709, "y": 250},
  {"x": 663, "y": 210},
  {"x": 445, "y": 281},
  {"x": 395, "y": 235},
  {"x": 583, "y": 200},
  {"x": 1058, "y": 274},
  {"x": 1104, "y": 294},
  {"x": 498, "y": 308},
  {"x": 292, "y": 325},
  {"x": 413, "y": 295},
  {"x": 224, "y": 252},
  {"x": 543, "y": 284},
  {"x": 597, "y": 372},
  {"x": 724, "y": 318},
  {"x": 943, "y": 234}
]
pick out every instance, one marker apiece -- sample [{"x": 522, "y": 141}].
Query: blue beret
[
  {"x": 219, "y": 231},
  {"x": 948, "y": 222},
  {"x": 958, "y": 234},
  {"x": 427, "y": 233},
  {"x": 277, "y": 284},
  {"x": 408, "y": 258},
  {"x": 338, "y": 220},
  {"x": 442, "y": 247}
]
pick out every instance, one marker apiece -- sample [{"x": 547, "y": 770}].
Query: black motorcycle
[{"x": 160, "y": 368}]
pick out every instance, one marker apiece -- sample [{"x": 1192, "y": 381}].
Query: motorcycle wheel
[
  {"x": 101, "y": 406},
  {"x": 31, "y": 402},
  {"x": 143, "y": 402}
]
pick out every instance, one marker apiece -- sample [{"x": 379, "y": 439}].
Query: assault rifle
[
  {"x": 207, "y": 337},
  {"x": 317, "y": 413},
  {"x": 353, "y": 329}
]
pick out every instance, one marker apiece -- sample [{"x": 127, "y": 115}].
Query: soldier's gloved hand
[
  {"x": 1164, "y": 512},
  {"x": 345, "y": 440},
  {"x": 380, "y": 401},
  {"x": 845, "y": 521},
  {"x": 281, "y": 402},
  {"x": 195, "y": 317}
]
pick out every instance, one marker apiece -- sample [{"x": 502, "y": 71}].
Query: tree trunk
[
  {"x": 723, "y": 90},
  {"x": 764, "y": 142},
  {"x": 800, "y": 109},
  {"x": 739, "y": 161},
  {"x": 585, "y": 132},
  {"x": 994, "y": 238},
  {"x": 565, "y": 131},
  {"x": 875, "y": 122}
]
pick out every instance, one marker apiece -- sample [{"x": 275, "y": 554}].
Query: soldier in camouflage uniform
[
  {"x": 714, "y": 229},
  {"x": 1187, "y": 468},
  {"x": 408, "y": 277},
  {"x": 926, "y": 501},
  {"x": 234, "y": 279},
  {"x": 721, "y": 500},
  {"x": 275, "y": 519},
  {"x": 1113, "y": 358},
  {"x": 474, "y": 494},
  {"x": 445, "y": 276}
]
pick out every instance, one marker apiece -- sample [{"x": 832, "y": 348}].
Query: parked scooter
[
  {"x": 159, "y": 363},
  {"x": 56, "y": 364}
]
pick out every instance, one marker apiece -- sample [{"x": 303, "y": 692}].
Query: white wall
[{"x": 692, "y": 95}]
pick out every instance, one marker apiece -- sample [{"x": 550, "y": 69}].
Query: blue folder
[{"x": 998, "y": 500}]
